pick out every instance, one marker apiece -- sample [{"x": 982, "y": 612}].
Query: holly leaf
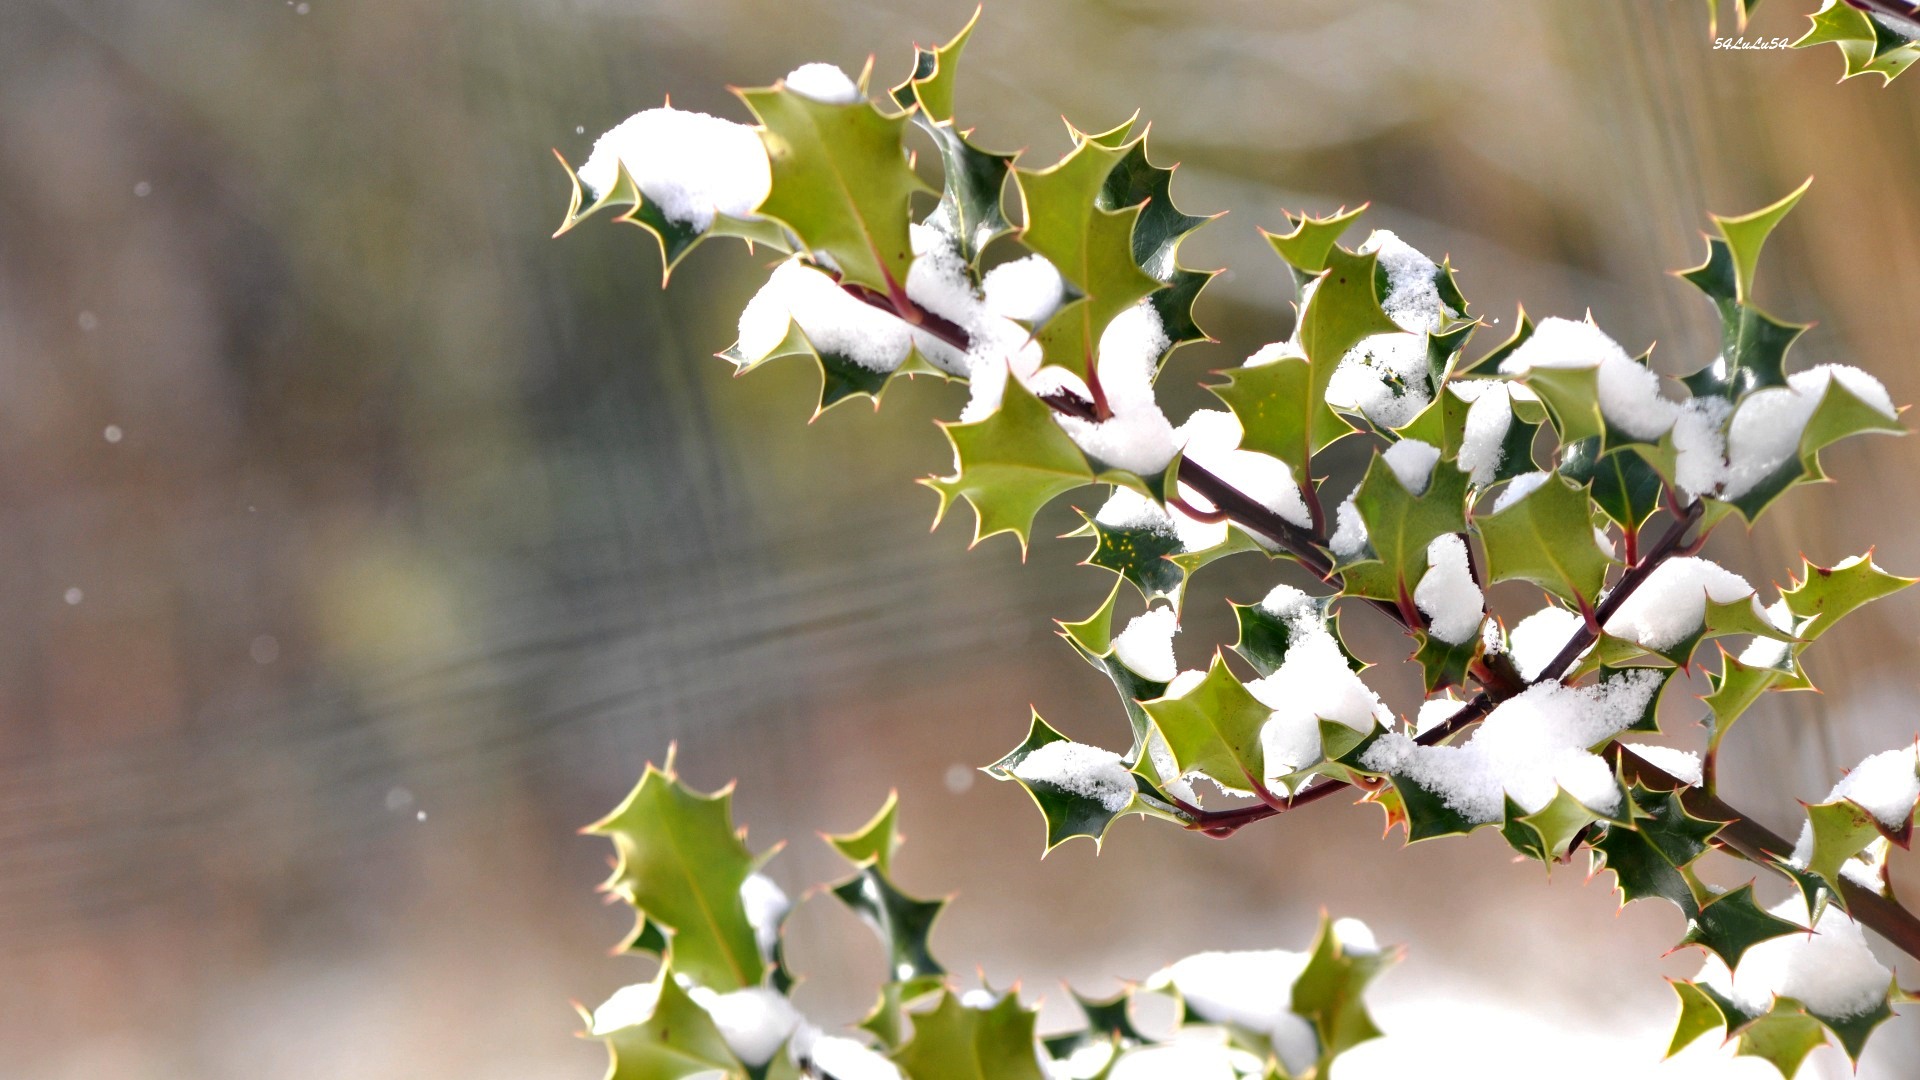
[
  {"x": 677, "y": 1040},
  {"x": 1753, "y": 344},
  {"x": 1091, "y": 245},
  {"x": 842, "y": 182},
  {"x": 1546, "y": 537},
  {"x": 1282, "y": 406},
  {"x": 1662, "y": 818},
  {"x": 1330, "y": 992},
  {"x": 1731, "y": 923},
  {"x": 1009, "y": 465},
  {"x": 1839, "y": 414},
  {"x": 1698, "y": 1015},
  {"x": 1825, "y": 595},
  {"x": 954, "y": 1042},
  {"x": 1868, "y": 46},
  {"x": 1621, "y": 483},
  {"x": 1308, "y": 245},
  {"x": 1641, "y": 870},
  {"x": 1400, "y": 526},
  {"x": 1141, "y": 556},
  {"x": 1069, "y": 813},
  {"x": 902, "y": 923},
  {"x": 841, "y": 379},
  {"x": 874, "y": 842},
  {"x": 1841, "y": 830},
  {"x": 1547, "y": 834},
  {"x": 1782, "y": 1038},
  {"x": 1443, "y": 663},
  {"x": 682, "y": 864},
  {"x": 1214, "y": 728},
  {"x": 934, "y": 71},
  {"x": 676, "y": 238}
]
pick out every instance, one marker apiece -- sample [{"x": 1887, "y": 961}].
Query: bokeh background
[{"x": 361, "y": 542}]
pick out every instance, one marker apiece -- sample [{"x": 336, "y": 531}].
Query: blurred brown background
[{"x": 362, "y": 542}]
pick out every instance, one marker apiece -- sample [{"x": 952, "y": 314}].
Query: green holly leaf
[
  {"x": 842, "y": 182},
  {"x": 1731, "y": 923},
  {"x": 1782, "y": 1038},
  {"x": 676, "y": 238},
  {"x": 1214, "y": 728},
  {"x": 1852, "y": 1032},
  {"x": 1735, "y": 688},
  {"x": 1642, "y": 870},
  {"x": 1572, "y": 400},
  {"x": 1547, "y": 834},
  {"x": 1009, "y": 465},
  {"x": 1621, "y": 483},
  {"x": 874, "y": 842},
  {"x": 1400, "y": 526},
  {"x": 682, "y": 863},
  {"x": 678, "y": 1040},
  {"x": 1330, "y": 992},
  {"x": 1546, "y": 537},
  {"x": 1312, "y": 240},
  {"x": 1663, "y": 820},
  {"x": 1090, "y": 244},
  {"x": 952, "y": 1041},
  {"x": 1746, "y": 234},
  {"x": 887, "y": 1021},
  {"x": 902, "y": 923},
  {"x": 1868, "y": 46},
  {"x": 1111, "y": 1018},
  {"x": 1753, "y": 344},
  {"x": 1069, "y": 813},
  {"x": 648, "y": 937},
  {"x": 1443, "y": 663},
  {"x": 1698, "y": 1015},
  {"x": 1824, "y": 595},
  {"x": 1141, "y": 556},
  {"x": 1265, "y": 638},
  {"x": 934, "y": 72},
  {"x": 1841, "y": 830},
  {"x": 1282, "y": 406}
]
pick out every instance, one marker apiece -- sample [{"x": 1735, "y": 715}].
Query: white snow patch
[
  {"x": 1629, "y": 392},
  {"x": 1185, "y": 682},
  {"x": 754, "y": 1021},
  {"x": 1210, "y": 438},
  {"x": 1079, "y": 769},
  {"x": 1028, "y": 289},
  {"x": 1412, "y": 463},
  {"x": 1489, "y": 419},
  {"x": 766, "y": 905},
  {"x": 1137, "y": 437},
  {"x": 1519, "y": 488},
  {"x": 1447, "y": 594},
  {"x": 1313, "y": 683},
  {"x": 1765, "y": 431},
  {"x": 833, "y": 321},
  {"x": 1672, "y": 602},
  {"x": 1274, "y": 352},
  {"x": 1434, "y": 712},
  {"x": 1535, "y": 640},
  {"x": 628, "y": 1006},
  {"x": 1285, "y": 602},
  {"x": 1528, "y": 747},
  {"x": 1682, "y": 765},
  {"x": 839, "y": 1057},
  {"x": 1413, "y": 292},
  {"x": 1349, "y": 531},
  {"x": 1385, "y": 377},
  {"x": 1766, "y": 651},
  {"x": 1886, "y": 785},
  {"x": 824, "y": 83},
  {"x": 1145, "y": 646},
  {"x": 688, "y": 164},
  {"x": 1355, "y": 937},
  {"x": 1831, "y": 970},
  {"x": 1252, "y": 990},
  {"x": 1700, "y": 463}
]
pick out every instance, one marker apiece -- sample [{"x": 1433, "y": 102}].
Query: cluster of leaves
[
  {"x": 682, "y": 865},
  {"x": 843, "y": 199},
  {"x": 1875, "y": 37}
]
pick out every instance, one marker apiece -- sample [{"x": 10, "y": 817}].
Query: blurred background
[{"x": 362, "y": 542}]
